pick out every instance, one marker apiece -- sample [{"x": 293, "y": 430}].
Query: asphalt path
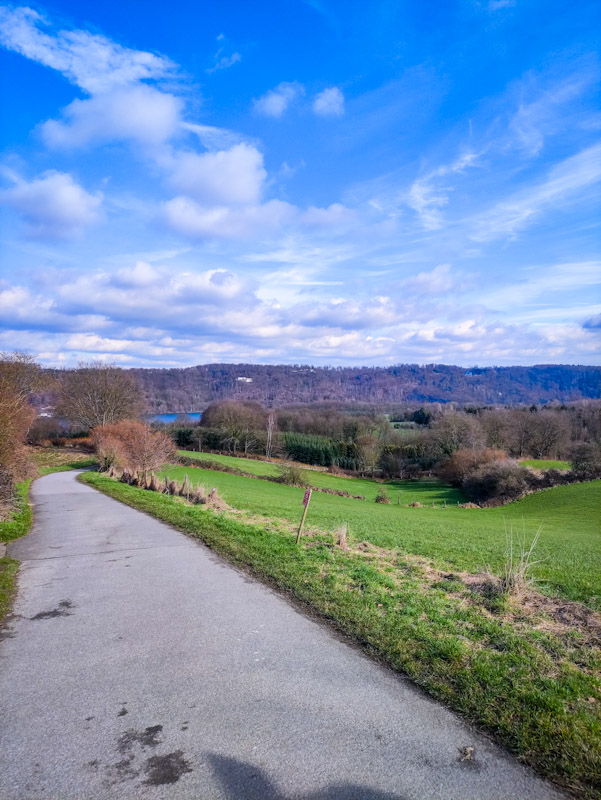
[{"x": 138, "y": 664}]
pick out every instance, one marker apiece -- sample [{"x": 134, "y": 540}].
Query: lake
[{"x": 193, "y": 416}]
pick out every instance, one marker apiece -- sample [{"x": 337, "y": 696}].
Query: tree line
[
  {"x": 277, "y": 385},
  {"x": 424, "y": 439}
]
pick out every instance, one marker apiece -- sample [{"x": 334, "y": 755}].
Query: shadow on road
[{"x": 243, "y": 781}]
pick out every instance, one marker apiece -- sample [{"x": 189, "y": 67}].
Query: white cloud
[
  {"x": 427, "y": 201},
  {"x": 140, "y": 275},
  {"x": 329, "y": 103},
  {"x": 139, "y": 113},
  {"x": 229, "y": 176},
  {"x": 542, "y": 105},
  {"x": 334, "y": 216},
  {"x": 344, "y": 313},
  {"x": 222, "y": 61},
  {"x": 53, "y": 205},
  {"x": 150, "y": 315},
  {"x": 211, "y": 137},
  {"x": 276, "y": 101},
  {"x": 191, "y": 219},
  {"x": 90, "y": 61},
  {"x": 563, "y": 278},
  {"x": 121, "y": 106},
  {"x": 438, "y": 281},
  {"x": 427, "y": 197}
]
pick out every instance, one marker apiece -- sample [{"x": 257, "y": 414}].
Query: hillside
[{"x": 193, "y": 388}]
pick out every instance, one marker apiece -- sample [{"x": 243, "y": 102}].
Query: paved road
[{"x": 140, "y": 665}]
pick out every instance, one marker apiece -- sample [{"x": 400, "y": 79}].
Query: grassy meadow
[
  {"x": 402, "y": 491},
  {"x": 16, "y": 524},
  {"x": 568, "y": 552},
  {"x": 541, "y": 463}
]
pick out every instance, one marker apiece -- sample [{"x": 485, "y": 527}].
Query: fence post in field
[{"x": 306, "y": 501}]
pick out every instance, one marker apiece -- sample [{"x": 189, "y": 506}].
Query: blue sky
[{"x": 301, "y": 181}]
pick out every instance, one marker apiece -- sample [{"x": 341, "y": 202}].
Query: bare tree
[
  {"x": 455, "y": 431},
  {"x": 496, "y": 426},
  {"x": 548, "y": 434},
  {"x": 271, "y": 424},
  {"x": 98, "y": 394},
  {"x": 240, "y": 422},
  {"x": 369, "y": 450}
]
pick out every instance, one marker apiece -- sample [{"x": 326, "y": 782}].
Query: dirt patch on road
[
  {"x": 166, "y": 769},
  {"x": 62, "y": 610}
]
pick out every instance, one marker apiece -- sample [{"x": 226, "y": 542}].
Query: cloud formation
[
  {"x": 234, "y": 176},
  {"x": 137, "y": 113},
  {"x": 92, "y": 62},
  {"x": 52, "y": 206},
  {"x": 329, "y": 103},
  {"x": 221, "y": 60},
  {"x": 276, "y": 101},
  {"x": 147, "y": 313}
]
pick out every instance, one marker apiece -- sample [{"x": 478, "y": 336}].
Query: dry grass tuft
[
  {"x": 341, "y": 535},
  {"x": 518, "y": 562}
]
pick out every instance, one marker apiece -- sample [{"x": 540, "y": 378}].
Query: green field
[
  {"x": 569, "y": 549},
  {"x": 540, "y": 463},
  {"x": 424, "y": 491}
]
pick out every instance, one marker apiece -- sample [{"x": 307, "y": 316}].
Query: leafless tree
[
  {"x": 455, "y": 431},
  {"x": 271, "y": 425},
  {"x": 98, "y": 394},
  {"x": 239, "y": 421},
  {"x": 369, "y": 449},
  {"x": 548, "y": 434},
  {"x": 496, "y": 426}
]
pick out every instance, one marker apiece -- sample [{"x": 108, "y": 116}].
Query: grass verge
[
  {"x": 18, "y": 522},
  {"x": 532, "y": 685},
  {"x": 51, "y": 459},
  {"x": 15, "y": 526}
]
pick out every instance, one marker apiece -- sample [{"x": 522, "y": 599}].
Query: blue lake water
[{"x": 193, "y": 416}]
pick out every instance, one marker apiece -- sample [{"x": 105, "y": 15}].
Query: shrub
[
  {"x": 586, "y": 462},
  {"x": 463, "y": 462},
  {"x": 499, "y": 480},
  {"x": 18, "y": 377},
  {"x": 292, "y": 475},
  {"x": 382, "y": 497},
  {"x": 44, "y": 429},
  {"x": 132, "y": 446},
  {"x": 85, "y": 443}
]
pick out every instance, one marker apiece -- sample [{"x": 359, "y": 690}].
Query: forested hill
[{"x": 193, "y": 388}]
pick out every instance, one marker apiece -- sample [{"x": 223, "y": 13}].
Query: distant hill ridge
[{"x": 193, "y": 388}]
